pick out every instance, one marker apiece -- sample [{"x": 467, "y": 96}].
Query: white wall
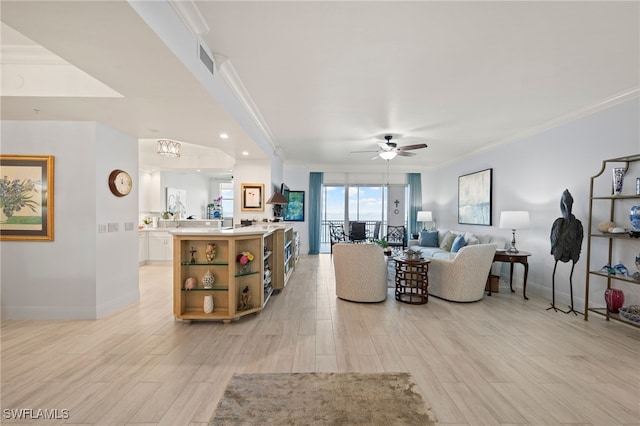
[
  {"x": 252, "y": 172},
  {"x": 531, "y": 174},
  {"x": 297, "y": 179},
  {"x": 81, "y": 274},
  {"x": 196, "y": 186}
]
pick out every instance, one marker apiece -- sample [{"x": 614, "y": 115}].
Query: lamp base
[{"x": 513, "y": 248}]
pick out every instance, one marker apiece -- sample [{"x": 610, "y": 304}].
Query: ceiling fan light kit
[
  {"x": 387, "y": 155},
  {"x": 389, "y": 150}
]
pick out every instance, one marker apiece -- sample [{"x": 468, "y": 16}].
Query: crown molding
[
  {"x": 231, "y": 77},
  {"x": 605, "y": 103},
  {"x": 191, "y": 16},
  {"x": 29, "y": 55}
]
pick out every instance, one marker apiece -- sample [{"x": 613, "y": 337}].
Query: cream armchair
[
  {"x": 463, "y": 278},
  {"x": 361, "y": 272}
]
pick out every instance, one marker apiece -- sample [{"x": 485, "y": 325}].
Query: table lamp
[
  {"x": 425, "y": 216},
  {"x": 514, "y": 220}
]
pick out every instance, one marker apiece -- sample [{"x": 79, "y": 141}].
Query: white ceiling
[{"x": 329, "y": 78}]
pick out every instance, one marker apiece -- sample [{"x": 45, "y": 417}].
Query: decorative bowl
[{"x": 631, "y": 313}]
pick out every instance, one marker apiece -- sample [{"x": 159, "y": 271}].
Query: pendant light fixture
[{"x": 168, "y": 148}]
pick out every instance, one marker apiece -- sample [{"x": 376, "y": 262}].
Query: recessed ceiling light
[
  {"x": 198, "y": 170},
  {"x": 224, "y": 136},
  {"x": 245, "y": 152}
]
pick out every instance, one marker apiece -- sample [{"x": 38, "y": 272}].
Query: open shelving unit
[
  {"x": 612, "y": 206},
  {"x": 283, "y": 257},
  {"x": 230, "y": 278}
]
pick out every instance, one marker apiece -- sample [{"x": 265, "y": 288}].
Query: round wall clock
[{"x": 120, "y": 183}]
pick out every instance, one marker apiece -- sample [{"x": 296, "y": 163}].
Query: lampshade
[
  {"x": 277, "y": 198},
  {"x": 388, "y": 155},
  {"x": 168, "y": 148},
  {"x": 514, "y": 219},
  {"x": 424, "y": 216}
]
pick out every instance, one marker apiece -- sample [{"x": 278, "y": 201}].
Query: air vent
[{"x": 206, "y": 59}]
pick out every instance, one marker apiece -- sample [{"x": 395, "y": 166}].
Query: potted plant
[
  {"x": 382, "y": 242},
  {"x": 167, "y": 214}
]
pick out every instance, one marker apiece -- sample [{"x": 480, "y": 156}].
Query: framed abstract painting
[{"x": 475, "y": 197}]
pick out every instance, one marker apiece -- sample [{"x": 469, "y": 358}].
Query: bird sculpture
[{"x": 566, "y": 243}]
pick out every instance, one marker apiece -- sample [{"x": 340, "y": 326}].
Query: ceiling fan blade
[
  {"x": 406, "y": 154},
  {"x": 377, "y": 156},
  {"x": 410, "y": 147},
  {"x": 357, "y": 152},
  {"x": 384, "y": 145}
]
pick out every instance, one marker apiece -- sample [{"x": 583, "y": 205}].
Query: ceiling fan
[{"x": 388, "y": 150}]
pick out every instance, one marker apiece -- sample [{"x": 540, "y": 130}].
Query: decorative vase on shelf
[
  {"x": 618, "y": 178},
  {"x": 615, "y": 299},
  {"x": 208, "y": 279},
  {"x": 208, "y": 304},
  {"x": 634, "y": 217},
  {"x": 210, "y": 252}
]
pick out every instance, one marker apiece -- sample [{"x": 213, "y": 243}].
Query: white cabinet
[
  {"x": 143, "y": 247},
  {"x": 160, "y": 246}
]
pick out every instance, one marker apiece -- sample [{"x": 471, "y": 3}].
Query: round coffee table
[{"x": 412, "y": 280}]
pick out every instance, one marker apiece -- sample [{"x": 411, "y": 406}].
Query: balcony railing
[{"x": 370, "y": 226}]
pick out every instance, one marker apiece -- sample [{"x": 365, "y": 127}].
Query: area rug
[
  {"x": 322, "y": 399},
  {"x": 391, "y": 274}
]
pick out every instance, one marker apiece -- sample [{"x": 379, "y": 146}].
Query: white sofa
[
  {"x": 463, "y": 278},
  {"x": 361, "y": 272},
  {"x": 470, "y": 239}
]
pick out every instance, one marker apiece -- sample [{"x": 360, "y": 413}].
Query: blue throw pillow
[
  {"x": 428, "y": 239},
  {"x": 458, "y": 243}
]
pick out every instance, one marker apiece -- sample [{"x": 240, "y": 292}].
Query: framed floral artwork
[
  {"x": 252, "y": 197},
  {"x": 26, "y": 197}
]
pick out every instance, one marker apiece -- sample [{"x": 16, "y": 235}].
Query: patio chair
[
  {"x": 397, "y": 236},
  {"x": 358, "y": 232},
  {"x": 336, "y": 234}
]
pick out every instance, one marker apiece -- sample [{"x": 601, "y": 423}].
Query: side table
[
  {"x": 412, "y": 280},
  {"x": 514, "y": 257}
]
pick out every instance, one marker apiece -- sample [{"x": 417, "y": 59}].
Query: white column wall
[{"x": 72, "y": 277}]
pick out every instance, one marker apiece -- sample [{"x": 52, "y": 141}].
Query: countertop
[{"x": 246, "y": 230}]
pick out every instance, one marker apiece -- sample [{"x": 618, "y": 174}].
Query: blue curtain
[
  {"x": 315, "y": 211},
  {"x": 415, "y": 201}
]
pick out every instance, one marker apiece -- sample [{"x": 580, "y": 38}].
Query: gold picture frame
[
  {"x": 252, "y": 197},
  {"x": 26, "y": 197}
]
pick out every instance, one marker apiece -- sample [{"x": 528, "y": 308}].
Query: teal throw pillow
[
  {"x": 428, "y": 239},
  {"x": 458, "y": 243}
]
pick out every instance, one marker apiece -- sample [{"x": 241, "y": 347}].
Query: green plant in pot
[
  {"x": 167, "y": 215},
  {"x": 382, "y": 242}
]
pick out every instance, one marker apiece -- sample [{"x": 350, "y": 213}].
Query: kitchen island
[{"x": 237, "y": 269}]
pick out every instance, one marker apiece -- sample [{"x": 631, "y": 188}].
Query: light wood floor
[{"x": 502, "y": 360}]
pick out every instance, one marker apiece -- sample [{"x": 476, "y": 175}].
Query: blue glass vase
[{"x": 634, "y": 217}]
